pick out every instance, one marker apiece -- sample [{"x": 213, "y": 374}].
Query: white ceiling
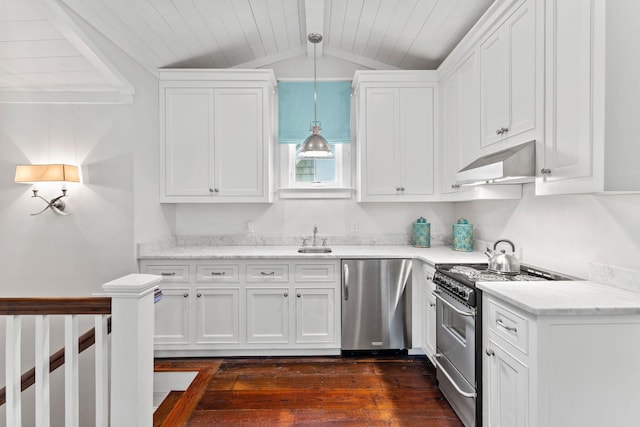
[{"x": 38, "y": 49}]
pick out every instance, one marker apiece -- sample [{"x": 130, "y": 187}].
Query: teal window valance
[{"x": 295, "y": 111}]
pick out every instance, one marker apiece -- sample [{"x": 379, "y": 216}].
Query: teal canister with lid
[
  {"x": 462, "y": 236},
  {"x": 421, "y": 237}
]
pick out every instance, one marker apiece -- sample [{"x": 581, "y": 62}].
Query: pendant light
[{"x": 315, "y": 145}]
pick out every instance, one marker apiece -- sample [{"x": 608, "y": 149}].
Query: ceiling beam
[{"x": 314, "y": 22}]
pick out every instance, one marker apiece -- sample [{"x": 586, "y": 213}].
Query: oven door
[
  {"x": 455, "y": 356},
  {"x": 456, "y": 335}
]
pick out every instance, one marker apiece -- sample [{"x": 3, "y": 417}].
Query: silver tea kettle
[{"x": 502, "y": 263}]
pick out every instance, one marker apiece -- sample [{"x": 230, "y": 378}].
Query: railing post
[{"x": 132, "y": 325}]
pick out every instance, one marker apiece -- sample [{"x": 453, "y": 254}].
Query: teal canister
[
  {"x": 462, "y": 236},
  {"x": 421, "y": 233}
]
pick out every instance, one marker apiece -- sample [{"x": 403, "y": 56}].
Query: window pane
[{"x": 326, "y": 170}]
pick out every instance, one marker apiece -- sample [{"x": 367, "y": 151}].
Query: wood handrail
[{"x": 41, "y": 306}]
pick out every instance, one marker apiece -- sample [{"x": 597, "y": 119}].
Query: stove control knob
[{"x": 462, "y": 292}]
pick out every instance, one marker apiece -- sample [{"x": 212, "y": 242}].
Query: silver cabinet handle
[
  {"x": 402, "y": 188},
  {"x": 268, "y": 273},
  {"x": 489, "y": 352},
  {"x": 185, "y": 294},
  {"x": 345, "y": 281},
  {"x": 503, "y": 325},
  {"x": 502, "y": 130},
  {"x": 210, "y": 190},
  {"x": 199, "y": 295},
  {"x": 213, "y": 190},
  {"x": 454, "y": 308},
  {"x": 218, "y": 273},
  {"x": 545, "y": 171},
  {"x": 446, "y": 374},
  {"x": 286, "y": 294},
  {"x": 299, "y": 295},
  {"x": 455, "y": 186},
  {"x": 164, "y": 273},
  {"x": 431, "y": 304}
]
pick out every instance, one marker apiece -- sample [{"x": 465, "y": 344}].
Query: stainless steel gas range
[{"x": 459, "y": 332}]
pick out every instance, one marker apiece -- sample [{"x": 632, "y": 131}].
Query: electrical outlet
[{"x": 354, "y": 226}]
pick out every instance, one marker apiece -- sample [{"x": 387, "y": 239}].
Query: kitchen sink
[{"x": 314, "y": 250}]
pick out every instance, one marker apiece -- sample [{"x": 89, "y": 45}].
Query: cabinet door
[
  {"x": 268, "y": 315},
  {"x": 508, "y": 78},
  {"x": 239, "y": 142},
  {"x": 172, "y": 317},
  {"x": 429, "y": 324},
  {"x": 494, "y": 83},
  {"x": 416, "y": 141},
  {"x": 187, "y": 134},
  {"x": 569, "y": 106},
  {"x": 381, "y": 138},
  {"x": 315, "y": 315},
  {"x": 508, "y": 388},
  {"x": 461, "y": 122},
  {"x": 218, "y": 315},
  {"x": 521, "y": 28}
]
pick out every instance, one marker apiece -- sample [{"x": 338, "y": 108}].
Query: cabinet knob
[
  {"x": 397, "y": 188},
  {"x": 431, "y": 304},
  {"x": 545, "y": 171},
  {"x": 501, "y": 131},
  {"x": 286, "y": 294},
  {"x": 299, "y": 295},
  {"x": 185, "y": 294},
  {"x": 402, "y": 188},
  {"x": 213, "y": 190},
  {"x": 490, "y": 352},
  {"x": 199, "y": 295},
  {"x": 210, "y": 190},
  {"x": 455, "y": 186}
]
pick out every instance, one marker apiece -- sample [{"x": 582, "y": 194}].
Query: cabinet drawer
[
  {"x": 217, "y": 273},
  {"x": 267, "y": 273},
  {"x": 509, "y": 325},
  {"x": 315, "y": 273},
  {"x": 169, "y": 273}
]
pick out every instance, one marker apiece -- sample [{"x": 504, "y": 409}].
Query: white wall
[
  {"x": 563, "y": 233},
  {"x": 52, "y": 255}
]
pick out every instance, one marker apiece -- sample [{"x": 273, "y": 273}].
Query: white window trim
[{"x": 290, "y": 189}]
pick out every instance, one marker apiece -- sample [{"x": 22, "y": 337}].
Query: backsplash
[
  {"x": 264, "y": 240},
  {"x": 618, "y": 277}
]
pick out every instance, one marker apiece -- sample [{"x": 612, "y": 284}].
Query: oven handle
[
  {"x": 446, "y": 374},
  {"x": 454, "y": 308}
]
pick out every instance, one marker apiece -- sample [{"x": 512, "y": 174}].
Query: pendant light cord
[{"x": 315, "y": 96}]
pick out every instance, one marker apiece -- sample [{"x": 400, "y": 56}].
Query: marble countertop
[
  {"x": 565, "y": 298},
  {"x": 538, "y": 298},
  {"x": 432, "y": 255}
]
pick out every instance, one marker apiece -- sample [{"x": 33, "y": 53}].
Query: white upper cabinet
[
  {"x": 216, "y": 132},
  {"x": 396, "y": 116},
  {"x": 592, "y": 92},
  {"x": 460, "y": 133},
  {"x": 510, "y": 81}
]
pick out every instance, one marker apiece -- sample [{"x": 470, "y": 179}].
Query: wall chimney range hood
[{"x": 515, "y": 165}]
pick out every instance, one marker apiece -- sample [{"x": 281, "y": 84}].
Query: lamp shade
[{"x": 52, "y": 172}]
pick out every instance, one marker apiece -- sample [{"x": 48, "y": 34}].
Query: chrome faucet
[{"x": 315, "y": 232}]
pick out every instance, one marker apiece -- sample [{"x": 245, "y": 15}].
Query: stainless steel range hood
[{"x": 514, "y": 165}]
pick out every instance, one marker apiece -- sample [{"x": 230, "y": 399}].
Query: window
[{"x": 322, "y": 176}]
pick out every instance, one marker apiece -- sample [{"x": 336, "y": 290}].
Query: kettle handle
[{"x": 513, "y": 247}]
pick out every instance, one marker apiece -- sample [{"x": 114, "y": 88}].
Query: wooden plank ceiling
[{"x": 403, "y": 34}]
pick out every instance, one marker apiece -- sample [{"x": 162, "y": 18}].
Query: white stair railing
[{"x": 123, "y": 362}]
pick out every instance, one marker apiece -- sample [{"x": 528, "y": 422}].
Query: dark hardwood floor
[{"x": 282, "y": 391}]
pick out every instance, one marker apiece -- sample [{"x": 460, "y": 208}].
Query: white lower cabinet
[
  {"x": 508, "y": 387},
  {"x": 558, "y": 370},
  {"x": 173, "y": 318},
  {"x": 428, "y": 312},
  {"x": 267, "y": 315},
  {"x": 315, "y": 315},
  {"x": 243, "y": 307},
  {"x": 217, "y": 315}
]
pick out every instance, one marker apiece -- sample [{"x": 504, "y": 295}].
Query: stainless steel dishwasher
[{"x": 376, "y": 309}]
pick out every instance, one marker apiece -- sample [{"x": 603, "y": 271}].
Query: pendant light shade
[{"x": 315, "y": 145}]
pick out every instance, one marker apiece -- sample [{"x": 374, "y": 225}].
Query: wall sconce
[{"x": 31, "y": 174}]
